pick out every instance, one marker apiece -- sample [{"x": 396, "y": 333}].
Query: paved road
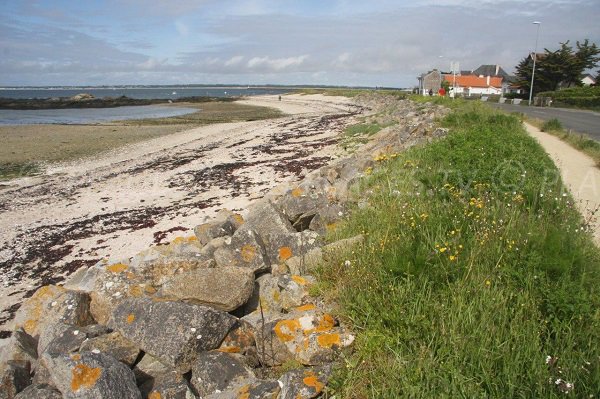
[{"x": 580, "y": 121}]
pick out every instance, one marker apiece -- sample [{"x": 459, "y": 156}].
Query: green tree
[
  {"x": 446, "y": 86},
  {"x": 560, "y": 68}
]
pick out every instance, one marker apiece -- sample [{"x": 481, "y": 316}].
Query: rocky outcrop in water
[{"x": 212, "y": 315}]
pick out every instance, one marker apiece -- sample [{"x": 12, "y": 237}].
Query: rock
[
  {"x": 209, "y": 249},
  {"x": 304, "y": 383},
  {"x": 240, "y": 340},
  {"x": 112, "y": 344},
  {"x": 64, "y": 338},
  {"x": 225, "y": 224},
  {"x": 91, "y": 375},
  {"x": 294, "y": 290},
  {"x": 265, "y": 219},
  {"x": 167, "y": 386},
  {"x": 280, "y": 248},
  {"x": 225, "y": 288},
  {"x": 259, "y": 389},
  {"x": 266, "y": 293},
  {"x": 82, "y": 97},
  {"x": 327, "y": 218},
  {"x": 14, "y": 377},
  {"x": 214, "y": 372},
  {"x": 150, "y": 367},
  {"x": 39, "y": 392},
  {"x": 307, "y": 335},
  {"x": 306, "y": 199},
  {"x": 174, "y": 332},
  {"x": 84, "y": 279},
  {"x": 271, "y": 350},
  {"x": 114, "y": 282},
  {"x": 50, "y": 305},
  {"x": 245, "y": 249},
  {"x": 20, "y": 347},
  {"x": 346, "y": 244},
  {"x": 305, "y": 263}
]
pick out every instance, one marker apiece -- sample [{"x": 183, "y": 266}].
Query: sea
[{"x": 98, "y": 115}]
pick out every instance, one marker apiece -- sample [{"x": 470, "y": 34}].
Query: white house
[
  {"x": 469, "y": 85},
  {"x": 588, "y": 80}
]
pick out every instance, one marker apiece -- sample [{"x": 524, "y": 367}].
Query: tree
[{"x": 560, "y": 68}]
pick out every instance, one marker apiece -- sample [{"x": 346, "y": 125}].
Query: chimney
[
  {"x": 497, "y": 70},
  {"x": 488, "y": 80}
]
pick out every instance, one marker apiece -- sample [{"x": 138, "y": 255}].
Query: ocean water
[
  {"x": 78, "y": 116},
  {"x": 166, "y": 92}
]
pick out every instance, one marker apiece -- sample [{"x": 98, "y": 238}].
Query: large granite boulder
[
  {"x": 224, "y": 288},
  {"x": 244, "y": 249},
  {"x": 174, "y": 332},
  {"x": 225, "y": 224},
  {"x": 39, "y": 392},
  {"x": 50, "y": 305},
  {"x": 91, "y": 375},
  {"x": 112, "y": 344},
  {"x": 215, "y": 372},
  {"x": 305, "y": 383}
]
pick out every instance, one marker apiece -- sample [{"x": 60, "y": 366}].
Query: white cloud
[
  {"x": 182, "y": 28},
  {"x": 235, "y": 60},
  {"x": 276, "y": 64}
]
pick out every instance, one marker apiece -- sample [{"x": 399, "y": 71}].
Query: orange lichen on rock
[
  {"x": 326, "y": 323},
  {"x": 150, "y": 289},
  {"x": 154, "y": 395},
  {"x": 244, "y": 392},
  {"x": 130, "y": 318},
  {"x": 290, "y": 327},
  {"x": 248, "y": 253},
  {"x": 285, "y": 253},
  {"x": 83, "y": 376},
  {"x": 299, "y": 280},
  {"x": 135, "y": 291},
  {"x": 297, "y": 192},
  {"x": 307, "y": 307},
  {"x": 311, "y": 380},
  {"x": 117, "y": 268},
  {"x": 238, "y": 218},
  {"x": 35, "y": 306},
  {"x": 76, "y": 357},
  {"x": 328, "y": 340},
  {"x": 230, "y": 349}
]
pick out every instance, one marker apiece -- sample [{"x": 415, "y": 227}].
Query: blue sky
[{"x": 343, "y": 42}]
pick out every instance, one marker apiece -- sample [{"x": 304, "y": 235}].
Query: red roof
[{"x": 474, "y": 81}]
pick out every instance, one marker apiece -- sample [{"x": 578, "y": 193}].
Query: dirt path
[
  {"x": 124, "y": 201},
  {"x": 579, "y": 173}
]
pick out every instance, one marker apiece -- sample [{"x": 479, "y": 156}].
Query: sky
[{"x": 320, "y": 42}]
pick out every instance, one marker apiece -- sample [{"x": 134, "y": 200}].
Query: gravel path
[
  {"x": 122, "y": 202},
  {"x": 579, "y": 173}
]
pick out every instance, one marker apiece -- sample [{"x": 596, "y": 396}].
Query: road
[{"x": 579, "y": 121}]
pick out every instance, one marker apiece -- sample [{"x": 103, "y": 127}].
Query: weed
[{"x": 552, "y": 125}]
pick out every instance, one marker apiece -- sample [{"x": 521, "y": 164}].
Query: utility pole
[{"x": 538, "y": 23}]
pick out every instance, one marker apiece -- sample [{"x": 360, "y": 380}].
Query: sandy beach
[{"x": 123, "y": 201}]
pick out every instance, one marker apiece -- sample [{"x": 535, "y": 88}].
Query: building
[
  {"x": 430, "y": 81},
  {"x": 588, "y": 80},
  {"x": 469, "y": 85}
]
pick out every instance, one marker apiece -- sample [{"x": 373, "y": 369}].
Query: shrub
[{"x": 552, "y": 125}]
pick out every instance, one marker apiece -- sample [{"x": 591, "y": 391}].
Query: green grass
[
  {"x": 476, "y": 267},
  {"x": 359, "y": 133},
  {"x": 552, "y": 125}
]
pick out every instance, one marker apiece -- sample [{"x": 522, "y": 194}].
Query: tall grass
[{"x": 478, "y": 277}]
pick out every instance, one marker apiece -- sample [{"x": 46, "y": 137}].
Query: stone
[
  {"x": 266, "y": 219},
  {"x": 344, "y": 245},
  {"x": 225, "y": 224},
  {"x": 306, "y": 335},
  {"x": 91, "y": 375},
  {"x": 150, "y": 367},
  {"x": 14, "y": 377},
  {"x": 259, "y": 389},
  {"x": 240, "y": 340},
  {"x": 306, "y": 199},
  {"x": 84, "y": 279},
  {"x": 113, "y": 344},
  {"x": 174, "y": 332},
  {"x": 20, "y": 347},
  {"x": 209, "y": 249},
  {"x": 224, "y": 288},
  {"x": 159, "y": 271},
  {"x": 167, "y": 386},
  {"x": 305, "y": 383},
  {"x": 266, "y": 293},
  {"x": 245, "y": 249},
  {"x": 280, "y": 248},
  {"x": 214, "y": 372},
  {"x": 305, "y": 263},
  {"x": 52, "y": 304},
  {"x": 294, "y": 290},
  {"x": 64, "y": 338},
  {"x": 39, "y": 392}
]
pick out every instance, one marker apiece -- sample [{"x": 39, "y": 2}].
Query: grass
[
  {"x": 478, "y": 277},
  {"x": 581, "y": 142},
  {"x": 359, "y": 133},
  {"x": 25, "y": 148}
]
